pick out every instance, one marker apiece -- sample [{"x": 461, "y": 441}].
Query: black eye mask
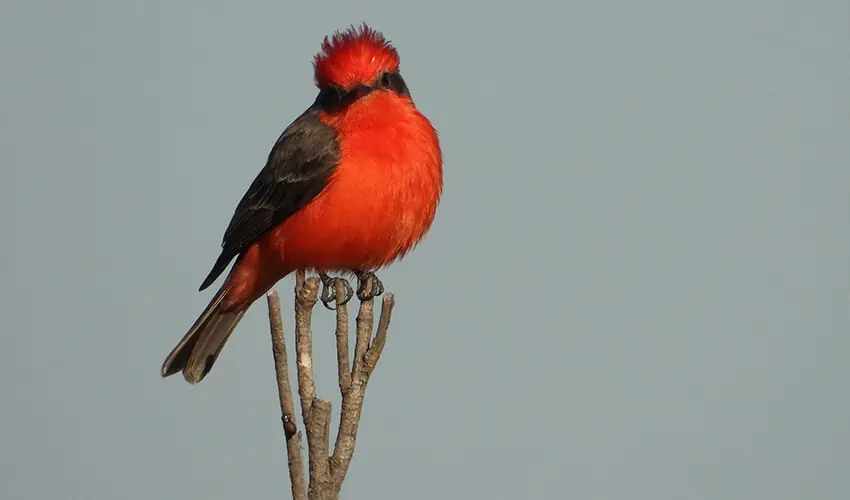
[{"x": 334, "y": 98}]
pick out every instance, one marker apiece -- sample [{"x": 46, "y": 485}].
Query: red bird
[{"x": 351, "y": 185}]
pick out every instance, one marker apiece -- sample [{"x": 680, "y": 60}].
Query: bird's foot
[
  {"x": 364, "y": 290},
  {"x": 329, "y": 296}
]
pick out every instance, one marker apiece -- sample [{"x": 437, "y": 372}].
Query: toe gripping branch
[
  {"x": 368, "y": 287},
  {"x": 367, "y": 290},
  {"x": 329, "y": 295}
]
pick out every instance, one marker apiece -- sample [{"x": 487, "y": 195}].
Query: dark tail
[{"x": 197, "y": 351}]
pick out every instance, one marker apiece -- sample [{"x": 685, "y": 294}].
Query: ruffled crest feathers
[{"x": 354, "y": 56}]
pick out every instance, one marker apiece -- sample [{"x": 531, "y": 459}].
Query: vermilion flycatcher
[{"x": 351, "y": 185}]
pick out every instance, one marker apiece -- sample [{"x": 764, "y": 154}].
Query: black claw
[
  {"x": 363, "y": 278},
  {"x": 328, "y": 296}
]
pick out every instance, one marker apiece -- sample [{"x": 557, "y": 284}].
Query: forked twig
[{"x": 326, "y": 471}]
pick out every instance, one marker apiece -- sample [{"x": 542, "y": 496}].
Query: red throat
[{"x": 354, "y": 56}]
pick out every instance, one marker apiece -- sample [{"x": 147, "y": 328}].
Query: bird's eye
[
  {"x": 393, "y": 81},
  {"x": 329, "y": 98}
]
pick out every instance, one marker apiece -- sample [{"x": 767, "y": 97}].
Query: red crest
[{"x": 354, "y": 56}]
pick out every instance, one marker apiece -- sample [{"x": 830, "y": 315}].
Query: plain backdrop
[{"x": 637, "y": 285}]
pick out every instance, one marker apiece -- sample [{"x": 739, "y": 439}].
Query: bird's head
[{"x": 354, "y": 62}]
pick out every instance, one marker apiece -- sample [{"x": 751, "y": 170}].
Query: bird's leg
[
  {"x": 329, "y": 291},
  {"x": 363, "y": 290}
]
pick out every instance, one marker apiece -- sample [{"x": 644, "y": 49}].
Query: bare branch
[
  {"x": 363, "y": 331},
  {"x": 343, "y": 365},
  {"x": 365, "y": 360},
  {"x": 287, "y": 407},
  {"x": 318, "y": 432},
  {"x": 370, "y": 360},
  {"x": 306, "y": 296}
]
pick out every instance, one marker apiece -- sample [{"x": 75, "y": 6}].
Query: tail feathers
[{"x": 197, "y": 351}]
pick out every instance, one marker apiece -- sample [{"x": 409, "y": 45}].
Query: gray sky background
[{"x": 637, "y": 285}]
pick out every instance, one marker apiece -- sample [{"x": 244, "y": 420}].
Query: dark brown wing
[{"x": 297, "y": 170}]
